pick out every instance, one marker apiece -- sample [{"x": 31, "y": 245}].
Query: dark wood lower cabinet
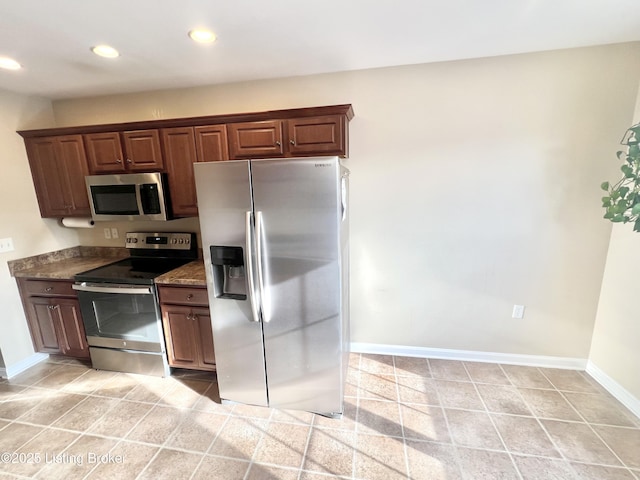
[
  {"x": 187, "y": 327},
  {"x": 54, "y": 320}
]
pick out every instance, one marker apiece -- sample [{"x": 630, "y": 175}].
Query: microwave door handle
[{"x": 139, "y": 198}]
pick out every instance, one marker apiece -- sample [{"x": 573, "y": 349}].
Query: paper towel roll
[{"x": 78, "y": 222}]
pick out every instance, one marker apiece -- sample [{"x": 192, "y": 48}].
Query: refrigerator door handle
[
  {"x": 255, "y": 311},
  {"x": 264, "y": 299}
]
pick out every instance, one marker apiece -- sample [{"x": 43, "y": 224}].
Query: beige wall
[
  {"x": 474, "y": 187},
  {"x": 20, "y": 217},
  {"x": 616, "y": 334}
]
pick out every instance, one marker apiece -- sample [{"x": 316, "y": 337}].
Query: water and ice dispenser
[{"x": 228, "y": 272}]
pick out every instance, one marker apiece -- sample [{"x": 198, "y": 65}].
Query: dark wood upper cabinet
[
  {"x": 256, "y": 139},
  {"x": 180, "y": 154},
  {"x": 304, "y": 137},
  {"x": 143, "y": 152},
  {"x": 121, "y": 152},
  {"x": 58, "y": 167},
  {"x": 211, "y": 143},
  {"x": 104, "y": 152},
  {"x": 60, "y": 158},
  {"x": 183, "y": 146},
  {"x": 324, "y": 135}
]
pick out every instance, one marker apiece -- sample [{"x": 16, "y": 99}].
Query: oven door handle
[{"x": 124, "y": 289}]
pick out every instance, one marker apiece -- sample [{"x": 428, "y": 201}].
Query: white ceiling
[{"x": 260, "y": 39}]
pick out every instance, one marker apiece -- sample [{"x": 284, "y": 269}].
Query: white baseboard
[
  {"x": 568, "y": 363},
  {"x": 614, "y": 388},
  {"x": 17, "y": 368}
]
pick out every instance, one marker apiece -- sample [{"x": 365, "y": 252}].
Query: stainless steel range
[{"x": 119, "y": 303}]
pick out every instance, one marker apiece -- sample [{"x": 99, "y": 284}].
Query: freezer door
[
  {"x": 224, "y": 198},
  {"x": 298, "y": 215}
]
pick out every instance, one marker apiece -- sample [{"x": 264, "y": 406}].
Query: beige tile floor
[{"x": 405, "y": 418}]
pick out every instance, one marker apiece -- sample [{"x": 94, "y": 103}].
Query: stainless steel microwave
[{"x": 132, "y": 196}]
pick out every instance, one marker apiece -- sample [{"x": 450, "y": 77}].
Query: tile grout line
[
  {"x": 404, "y": 438},
  {"x": 493, "y": 423},
  {"x": 456, "y": 453},
  {"x": 206, "y": 452},
  {"x": 584, "y": 420},
  {"x": 538, "y": 419},
  {"x": 588, "y": 424},
  {"x": 354, "y": 440},
  {"x": 259, "y": 442}
]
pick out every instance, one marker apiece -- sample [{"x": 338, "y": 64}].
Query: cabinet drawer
[
  {"x": 48, "y": 287},
  {"x": 184, "y": 295}
]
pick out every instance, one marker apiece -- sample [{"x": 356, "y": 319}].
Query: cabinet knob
[
  {"x": 292, "y": 142},
  {"x": 129, "y": 160},
  {"x": 118, "y": 160},
  {"x": 190, "y": 296},
  {"x": 194, "y": 317},
  {"x": 48, "y": 289},
  {"x": 278, "y": 143}
]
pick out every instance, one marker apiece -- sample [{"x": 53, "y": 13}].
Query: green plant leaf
[
  {"x": 627, "y": 170},
  {"x": 620, "y": 207},
  {"x": 636, "y": 209},
  {"x": 636, "y": 226},
  {"x": 606, "y": 201},
  {"x": 608, "y": 215},
  {"x": 617, "y": 218},
  {"x": 604, "y": 186},
  {"x": 623, "y": 191}
]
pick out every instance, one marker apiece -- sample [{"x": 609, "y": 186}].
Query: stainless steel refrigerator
[{"x": 275, "y": 242}]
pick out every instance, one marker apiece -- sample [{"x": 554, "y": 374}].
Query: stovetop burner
[{"x": 152, "y": 254}]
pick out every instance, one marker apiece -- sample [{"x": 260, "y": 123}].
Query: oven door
[{"x": 121, "y": 316}]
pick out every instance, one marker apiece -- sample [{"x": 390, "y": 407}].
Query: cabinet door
[
  {"x": 180, "y": 154},
  {"x": 325, "y": 135},
  {"x": 104, "y": 152},
  {"x": 70, "y": 329},
  {"x": 43, "y": 330},
  {"x": 58, "y": 166},
  {"x": 143, "y": 152},
  {"x": 70, "y": 149},
  {"x": 48, "y": 176},
  {"x": 180, "y": 336},
  {"x": 255, "y": 139},
  {"x": 205, "y": 338},
  {"x": 211, "y": 143}
]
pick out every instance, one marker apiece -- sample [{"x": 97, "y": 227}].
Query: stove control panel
[{"x": 161, "y": 240}]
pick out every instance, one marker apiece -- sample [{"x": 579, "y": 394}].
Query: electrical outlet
[
  {"x": 518, "y": 311},
  {"x": 114, "y": 233},
  {"x": 107, "y": 233},
  {"x": 6, "y": 244}
]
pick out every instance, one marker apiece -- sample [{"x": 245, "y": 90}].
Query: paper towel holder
[{"x": 77, "y": 222}]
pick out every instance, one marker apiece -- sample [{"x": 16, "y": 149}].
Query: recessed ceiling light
[
  {"x": 201, "y": 35},
  {"x": 105, "y": 51},
  {"x": 9, "y": 64}
]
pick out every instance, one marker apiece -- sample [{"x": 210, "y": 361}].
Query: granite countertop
[
  {"x": 190, "y": 274},
  {"x": 64, "y": 264}
]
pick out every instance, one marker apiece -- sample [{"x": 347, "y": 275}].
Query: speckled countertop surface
[
  {"x": 64, "y": 264},
  {"x": 190, "y": 274}
]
